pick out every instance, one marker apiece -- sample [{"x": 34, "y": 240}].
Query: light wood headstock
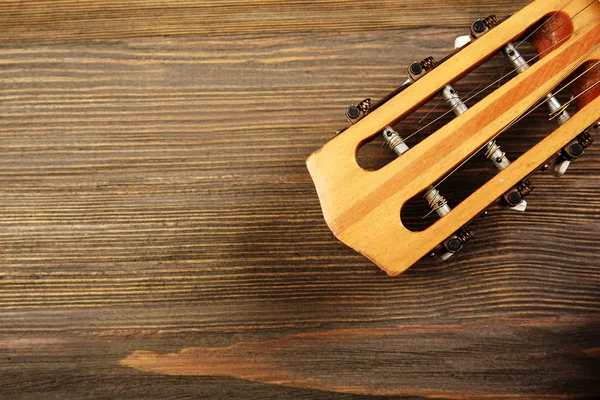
[{"x": 362, "y": 208}]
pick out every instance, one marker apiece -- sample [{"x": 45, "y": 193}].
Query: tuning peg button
[
  {"x": 455, "y": 243},
  {"x": 570, "y": 152},
  {"x": 462, "y": 41},
  {"x": 514, "y": 198},
  {"x": 352, "y": 112},
  {"x": 416, "y": 70},
  {"x": 355, "y": 111},
  {"x": 478, "y": 28}
]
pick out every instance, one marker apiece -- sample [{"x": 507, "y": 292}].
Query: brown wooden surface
[{"x": 160, "y": 236}]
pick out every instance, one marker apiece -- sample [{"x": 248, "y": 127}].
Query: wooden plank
[
  {"x": 153, "y": 197},
  {"x": 92, "y": 19},
  {"x": 510, "y": 359},
  {"x": 525, "y": 349}
]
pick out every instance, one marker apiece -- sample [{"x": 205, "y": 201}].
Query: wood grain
[
  {"x": 153, "y": 197},
  {"x": 92, "y": 19},
  {"x": 365, "y": 371}
]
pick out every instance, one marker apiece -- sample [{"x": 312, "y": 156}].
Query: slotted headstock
[{"x": 362, "y": 208}]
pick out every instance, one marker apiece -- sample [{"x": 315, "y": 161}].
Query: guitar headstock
[{"x": 362, "y": 207}]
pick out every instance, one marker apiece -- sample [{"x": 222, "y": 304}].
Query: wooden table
[{"x": 160, "y": 236}]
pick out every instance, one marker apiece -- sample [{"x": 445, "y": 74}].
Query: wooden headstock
[{"x": 362, "y": 208}]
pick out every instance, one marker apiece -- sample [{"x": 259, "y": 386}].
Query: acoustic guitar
[{"x": 551, "y": 50}]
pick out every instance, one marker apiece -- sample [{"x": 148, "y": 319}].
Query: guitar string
[
  {"x": 508, "y": 74},
  {"x": 376, "y": 155},
  {"x": 552, "y": 115},
  {"x": 430, "y": 111},
  {"x": 521, "y": 42},
  {"x": 529, "y": 111}
]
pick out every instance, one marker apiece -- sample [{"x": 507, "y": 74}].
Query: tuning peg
[
  {"x": 570, "y": 152},
  {"x": 415, "y": 70},
  {"x": 454, "y": 243},
  {"x": 353, "y": 112},
  {"x": 480, "y": 27},
  {"x": 514, "y": 198}
]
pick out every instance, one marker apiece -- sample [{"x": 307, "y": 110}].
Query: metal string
[
  {"x": 509, "y": 73},
  {"x": 506, "y": 75},
  {"x": 520, "y": 43},
  {"x": 456, "y": 96},
  {"x": 528, "y": 112}
]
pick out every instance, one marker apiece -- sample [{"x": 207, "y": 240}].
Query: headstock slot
[
  {"x": 374, "y": 154},
  {"x": 586, "y": 87}
]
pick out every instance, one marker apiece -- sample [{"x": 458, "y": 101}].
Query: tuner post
[
  {"x": 394, "y": 141},
  {"x": 436, "y": 201},
  {"x": 454, "y": 101}
]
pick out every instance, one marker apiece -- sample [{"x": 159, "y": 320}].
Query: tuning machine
[
  {"x": 480, "y": 27},
  {"x": 570, "y": 152},
  {"x": 515, "y": 198},
  {"x": 356, "y": 111},
  {"x": 453, "y": 244}
]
